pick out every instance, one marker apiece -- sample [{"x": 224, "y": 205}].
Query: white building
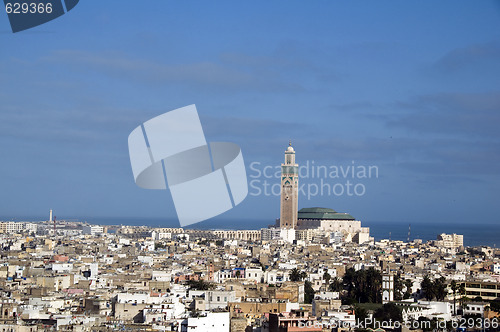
[
  {"x": 170, "y": 309},
  {"x": 362, "y": 236},
  {"x": 387, "y": 287},
  {"x": 329, "y": 221},
  {"x": 210, "y": 322},
  {"x": 254, "y": 273},
  {"x": 160, "y": 236},
  {"x": 30, "y": 227},
  {"x": 268, "y": 234},
  {"x": 450, "y": 241},
  {"x": 92, "y": 229},
  {"x": 62, "y": 267},
  {"x": 340, "y": 319},
  {"x": 462, "y": 267},
  {"x": 327, "y": 295},
  {"x": 161, "y": 276},
  {"x": 276, "y": 276},
  {"x": 165, "y": 233},
  {"x": 215, "y": 299},
  {"x": 91, "y": 270},
  {"x": 10, "y": 227},
  {"x": 145, "y": 260},
  {"x": 475, "y": 308},
  {"x": 147, "y": 245},
  {"x": 222, "y": 275},
  {"x": 336, "y": 238},
  {"x": 287, "y": 234},
  {"x": 181, "y": 237},
  {"x": 428, "y": 309}
]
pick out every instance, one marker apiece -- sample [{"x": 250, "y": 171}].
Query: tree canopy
[
  {"x": 363, "y": 285},
  {"x": 296, "y": 275},
  {"x": 434, "y": 289}
]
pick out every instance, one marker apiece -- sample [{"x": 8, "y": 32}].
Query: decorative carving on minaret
[{"x": 289, "y": 189}]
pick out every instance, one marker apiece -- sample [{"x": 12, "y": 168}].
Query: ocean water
[{"x": 474, "y": 234}]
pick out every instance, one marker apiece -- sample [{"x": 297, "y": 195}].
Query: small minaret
[
  {"x": 289, "y": 190},
  {"x": 387, "y": 287},
  {"x": 50, "y": 216}
]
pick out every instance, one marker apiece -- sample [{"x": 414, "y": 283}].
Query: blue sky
[{"x": 412, "y": 88}]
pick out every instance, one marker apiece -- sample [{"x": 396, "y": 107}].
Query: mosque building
[{"x": 308, "y": 224}]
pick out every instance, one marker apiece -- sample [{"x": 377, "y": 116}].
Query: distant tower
[
  {"x": 409, "y": 232},
  {"x": 211, "y": 272},
  {"x": 50, "y": 215},
  {"x": 289, "y": 190},
  {"x": 387, "y": 287}
]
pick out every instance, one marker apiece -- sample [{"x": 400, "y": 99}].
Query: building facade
[
  {"x": 244, "y": 235},
  {"x": 268, "y": 234},
  {"x": 92, "y": 229},
  {"x": 450, "y": 241},
  {"x": 387, "y": 287},
  {"x": 486, "y": 290},
  {"x": 9, "y": 227}
]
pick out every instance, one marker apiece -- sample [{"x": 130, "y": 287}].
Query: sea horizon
[{"x": 477, "y": 234}]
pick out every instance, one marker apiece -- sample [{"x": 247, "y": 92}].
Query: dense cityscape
[
  {"x": 250, "y": 166},
  {"x": 315, "y": 269}
]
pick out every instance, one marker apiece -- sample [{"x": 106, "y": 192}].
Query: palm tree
[
  {"x": 336, "y": 285},
  {"x": 327, "y": 277},
  {"x": 295, "y": 275},
  {"x": 461, "y": 291},
  {"x": 398, "y": 287},
  {"x": 408, "y": 285},
  {"x": 454, "y": 288},
  {"x": 426, "y": 286}
]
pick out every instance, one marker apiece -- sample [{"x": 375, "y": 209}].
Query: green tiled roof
[
  {"x": 323, "y": 213},
  {"x": 317, "y": 210}
]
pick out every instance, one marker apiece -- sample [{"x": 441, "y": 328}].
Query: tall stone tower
[{"x": 289, "y": 190}]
